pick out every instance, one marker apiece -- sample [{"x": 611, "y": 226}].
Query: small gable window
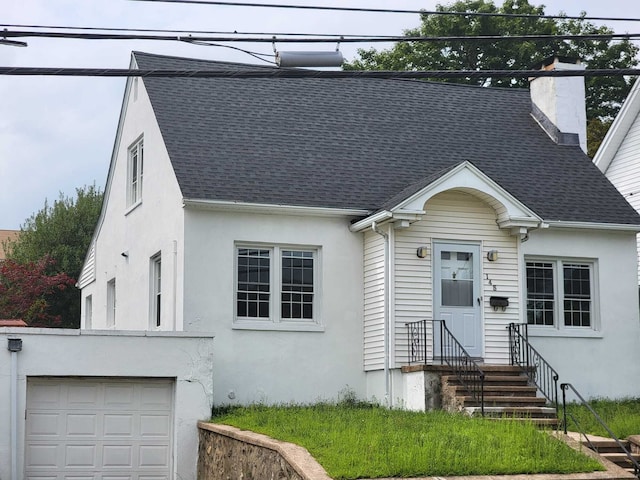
[
  {"x": 276, "y": 287},
  {"x": 134, "y": 172}
]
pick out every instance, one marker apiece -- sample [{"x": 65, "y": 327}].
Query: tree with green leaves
[
  {"x": 604, "y": 95},
  {"x": 62, "y": 233}
]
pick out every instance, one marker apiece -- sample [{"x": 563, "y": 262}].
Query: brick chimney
[{"x": 558, "y": 103}]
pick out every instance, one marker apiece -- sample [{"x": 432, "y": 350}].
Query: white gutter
[
  {"x": 621, "y": 227},
  {"x": 387, "y": 316},
  {"x": 371, "y": 221},
  {"x": 273, "y": 208}
]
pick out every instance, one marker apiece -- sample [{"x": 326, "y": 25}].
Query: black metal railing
[
  {"x": 465, "y": 368},
  {"x": 540, "y": 373},
  {"x": 417, "y": 341},
  {"x": 566, "y": 386}
]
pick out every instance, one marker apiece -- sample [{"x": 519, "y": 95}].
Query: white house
[
  {"x": 619, "y": 154},
  {"x": 306, "y": 221}
]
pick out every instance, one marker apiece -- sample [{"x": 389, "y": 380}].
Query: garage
[{"x": 99, "y": 428}]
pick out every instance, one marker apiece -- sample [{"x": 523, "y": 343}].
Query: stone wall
[{"x": 227, "y": 453}]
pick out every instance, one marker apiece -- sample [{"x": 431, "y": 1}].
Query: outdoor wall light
[
  {"x": 492, "y": 255},
  {"x": 422, "y": 252}
]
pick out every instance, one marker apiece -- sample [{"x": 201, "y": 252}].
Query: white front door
[{"x": 456, "y": 295}]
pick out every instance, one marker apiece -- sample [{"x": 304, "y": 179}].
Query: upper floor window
[
  {"x": 560, "y": 293},
  {"x": 134, "y": 172},
  {"x": 276, "y": 286}
]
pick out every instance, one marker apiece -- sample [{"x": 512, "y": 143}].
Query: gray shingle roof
[{"x": 359, "y": 143}]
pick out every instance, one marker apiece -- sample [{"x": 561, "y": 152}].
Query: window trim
[
  {"x": 275, "y": 320},
  {"x": 137, "y": 148},
  {"x": 155, "y": 291},
  {"x": 88, "y": 312},
  {"x": 559, "y": 328}
]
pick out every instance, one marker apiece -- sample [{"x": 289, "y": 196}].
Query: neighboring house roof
[
  {"x": 360, "y": 143},
  {"x": 4, "y": 236},
  {"x": 619, "y": 129}
]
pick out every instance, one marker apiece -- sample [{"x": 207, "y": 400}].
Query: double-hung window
[
  {"x": 561, "y": 294},
  {"x": 134, "y": 172},
  {"x": 276, "y": 287}
]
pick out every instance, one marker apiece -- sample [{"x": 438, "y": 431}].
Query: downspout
[
  {"x": 174, "y": 292},
  {"x": 14, "y": 346},
  {"x": 387, "y": 341}
]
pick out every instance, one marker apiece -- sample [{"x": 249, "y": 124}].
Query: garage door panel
[
  {"x": 84, "y": 456},
  {"x": 155, "y": 426},
  {"x": 82, "y": 425},
  {"x": 82, "y": 396},
  {"x": 43, "y": 456},
  {"x": 119, "y": 425},
  {"x": 99, "y": 429},
  {"x": 45, "y": 424},
  {"x": 156, "y": 397}
]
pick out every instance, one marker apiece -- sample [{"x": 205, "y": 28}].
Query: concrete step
[
  {"x": 498, "y": 400},
  {"x": 620, "y": 459},
  {"x": 490, "y": 379},
  {"x": 606, "y": 445},
  {"x": 503, "y": 390},
  {"x": 540, "y": 416}
]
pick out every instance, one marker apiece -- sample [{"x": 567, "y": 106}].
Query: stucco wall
[
  {"x": 269, "y": 365},
  {"x": 186, "y": 358},
  {"x": 155, "y": 225},
  {"x": 604, "y": 361}
]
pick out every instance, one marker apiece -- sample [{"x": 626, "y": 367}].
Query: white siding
[
  {"x": 88, "y": 273},
  {"x": 624, "y": 171},
  {"x": 373, "y": 301},
  {"x": 455, "y": 216}
]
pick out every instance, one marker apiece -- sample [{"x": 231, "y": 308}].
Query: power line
[
  {"x": 302, "y": 73},
  {"x": 389, "y": 10},
  {"x": 327, "y": 39},
  {"x": 206, "y": 32}
]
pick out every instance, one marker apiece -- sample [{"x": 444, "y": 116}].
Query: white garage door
[{"x": 98, "y": 429}]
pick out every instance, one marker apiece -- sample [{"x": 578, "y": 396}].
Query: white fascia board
[
  {"x": 468, "y": 176},
  {"x": 273, "y": 209},
  {"x": 112, "y": 162},
  {"x": 619, "y": 129},
  {"x": 620, "y": 227}
]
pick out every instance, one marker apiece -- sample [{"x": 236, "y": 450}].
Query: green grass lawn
[
  {"x": 364, "y": 441},
  {"x": 621, "y": 416}
]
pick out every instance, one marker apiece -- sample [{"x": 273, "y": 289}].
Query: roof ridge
[{"x": 190, "y": 59}]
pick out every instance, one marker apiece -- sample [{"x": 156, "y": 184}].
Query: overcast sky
[{"x": 57, "y": 133}]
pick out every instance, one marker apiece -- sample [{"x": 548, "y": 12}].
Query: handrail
[
  {"x": 539, "y": 371},
  {"x": 465, "y": 368},
  {"x": 564, "y": 387},
  {"x": 417, "y": 341}
]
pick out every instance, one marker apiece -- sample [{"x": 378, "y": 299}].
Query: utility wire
[
  {"x": 206, "y": 32},
  {"x": 390, "y": 10},
  {"x": 303, "y": 73},
  {"x": 399, "y": 38}
]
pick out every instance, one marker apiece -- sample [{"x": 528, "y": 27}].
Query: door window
[{"x": 456, "y": 277}]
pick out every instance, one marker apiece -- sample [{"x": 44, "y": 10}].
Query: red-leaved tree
[{"x": 24, "y": 288}]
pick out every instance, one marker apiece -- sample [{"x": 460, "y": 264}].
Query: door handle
[{"x": 479, "y": 301}]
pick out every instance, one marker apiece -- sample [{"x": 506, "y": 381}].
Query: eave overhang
[{"x": 273, "y": 209}]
